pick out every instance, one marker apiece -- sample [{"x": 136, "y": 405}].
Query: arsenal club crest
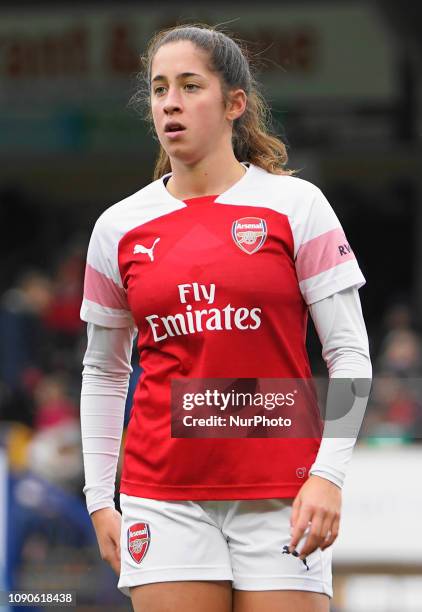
[
  {"x": 249, "y": 233},
  {"x": 138, "y": 539}
]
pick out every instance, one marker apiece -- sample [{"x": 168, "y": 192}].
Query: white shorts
[{"x": 237, "y": 540}]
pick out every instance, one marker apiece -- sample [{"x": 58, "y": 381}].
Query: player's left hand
[{"x": 317, "y": 506}]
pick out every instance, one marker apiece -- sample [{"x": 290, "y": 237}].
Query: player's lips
[{"x": 173, "y": 129}]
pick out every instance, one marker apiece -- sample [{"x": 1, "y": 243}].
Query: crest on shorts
[
  {"x": 249, "y": 233},
  {"x": 138, "y": 539}
]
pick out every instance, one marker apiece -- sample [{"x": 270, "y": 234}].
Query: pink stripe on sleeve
[
  {"x": 322, "y": 253},
  {"x": 102, "y": 290}
]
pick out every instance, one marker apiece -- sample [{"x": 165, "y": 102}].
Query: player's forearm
[
  {"x": 102, "y": 416},
  {"x": 340, "y": 326},
  {"x": 340, "y": 432},
  {"x": 333, "y": 458},
  {"x": 105, "y": 381}
]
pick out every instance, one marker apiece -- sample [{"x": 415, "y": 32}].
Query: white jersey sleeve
[
  {"x": 325, "y": 262},
  {"x": 104, "y": 299}
]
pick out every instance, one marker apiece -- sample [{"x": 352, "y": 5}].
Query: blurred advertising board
[
  {"x": 66, "y": 75},
  {"x": 382, "y": 498}
]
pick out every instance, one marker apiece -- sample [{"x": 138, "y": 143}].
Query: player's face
[{"x": 186, "y": 92}]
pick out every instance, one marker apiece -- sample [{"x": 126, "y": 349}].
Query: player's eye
[
  {"x": 157, "y": 90},
  {"x": 191, "y": 85}
]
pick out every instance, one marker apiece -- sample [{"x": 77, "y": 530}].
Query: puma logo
[
  {"x": 286, "y": 551},
  {"x": 140, "y": 248}
]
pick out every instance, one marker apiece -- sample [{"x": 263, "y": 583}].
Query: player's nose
[{"x": 173, "y": 100}]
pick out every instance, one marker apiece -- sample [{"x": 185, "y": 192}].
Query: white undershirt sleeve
[
  {"x": 105, "y": 380},
  {"x": 340, "y": 326}
]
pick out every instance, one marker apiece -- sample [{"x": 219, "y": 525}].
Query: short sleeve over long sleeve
[
  {"x": 325, "y": 262},
  {"x": 104, "y": 298}
]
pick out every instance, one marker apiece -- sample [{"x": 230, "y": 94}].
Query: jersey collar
[{"x": 225, "y": 197}]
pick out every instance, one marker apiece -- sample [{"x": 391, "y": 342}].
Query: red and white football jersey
[{"x": 218, "y": 287}]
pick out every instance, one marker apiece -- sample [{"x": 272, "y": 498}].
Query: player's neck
[{"x": 206, "y": 178}]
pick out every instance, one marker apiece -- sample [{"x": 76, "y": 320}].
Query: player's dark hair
[{"x": 251, "y": 138}]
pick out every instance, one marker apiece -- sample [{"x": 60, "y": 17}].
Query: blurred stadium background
[{"x": 344, "y": 82}]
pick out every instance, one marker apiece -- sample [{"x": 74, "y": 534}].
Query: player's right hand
[{"x": 107, "y": 524}]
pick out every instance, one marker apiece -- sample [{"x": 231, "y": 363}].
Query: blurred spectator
[
  {"x": 397, "y": 317},
  {"x": 63, "y": 313},
  {"x": 21, "y": 326},
  {"x": 53, "y": 406},
  {"x": 401, "y": 353},
  {"x": 25, "y": 346},
  {"x": 54, "y": 454},
  {"x": 395, "y": 409}
]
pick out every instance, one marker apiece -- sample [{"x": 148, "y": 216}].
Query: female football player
[{"x": 217, "y": 263}]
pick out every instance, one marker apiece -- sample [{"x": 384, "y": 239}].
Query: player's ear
[{"x": 236, "y": 104}]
